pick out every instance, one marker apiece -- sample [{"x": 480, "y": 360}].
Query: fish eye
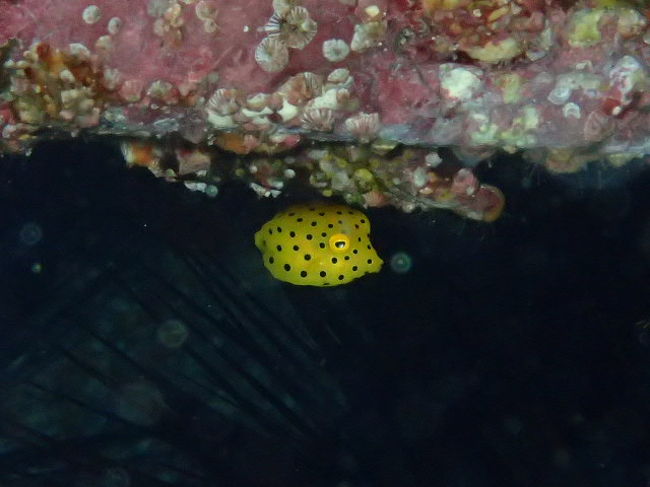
[{"x": 339, "y": 242}]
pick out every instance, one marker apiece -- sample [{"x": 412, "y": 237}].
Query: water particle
[
  {"x": 172, "y": 333},
  {"x": 141, "y": 403},
  {"x": 30, "y": 233},
  {"x": 401, "y": 263}
]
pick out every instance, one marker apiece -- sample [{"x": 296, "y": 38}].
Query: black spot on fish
[
  {"x": 334, "y": 260},
  {"x": 347, "y": 257},
  {"x": 355, "y": 268},
  {"x": 295, "y": 247},
  {"x": 303, "y": 273},
  {"x": 369, "y": 261},
  {"x": 299, "y": 220},
  {"x": 323, "y": 234},
  {"x": 309, "y": 236},
  {"x": 279, "y": 247},
  {"x": 329, "y": 225},
  {"x": 307, "y": 257},
  {"x": 279, "y": 229},
  {"x": 292, "y": 234},
  {"x": 271, "y": 260},
  {"x": 355, "y": 251},
  {"x": 341, "y": 277},
  {"x": 323, "y": 273},
  {"x": 322, "y": 214},
  {"x": 313, "y": 224},
  {"x": 287, "y": 267},
  {"x": 322, "y": 245}
]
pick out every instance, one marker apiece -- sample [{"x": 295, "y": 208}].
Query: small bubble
[
  {"x": 172, "y": 333},
  {"x": 31, "y": 233},
  {"x": 401, "y": 263}
]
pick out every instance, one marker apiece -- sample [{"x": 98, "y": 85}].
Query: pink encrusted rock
[
  {"x": 167, "y": 58},
  {"x": 260, "y": 75}
]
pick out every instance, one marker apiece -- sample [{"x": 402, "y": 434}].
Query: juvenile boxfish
[{"x": 318, "y": 245}]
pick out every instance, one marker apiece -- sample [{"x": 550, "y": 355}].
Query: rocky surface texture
[{"x": 280, "y": 83}]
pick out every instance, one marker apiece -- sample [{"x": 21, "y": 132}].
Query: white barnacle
[
  {"x": 294, "y": 27},
  {"x": 79, "y": 52},
  {"x": 114, "y": 25},
  {"x": 368, "y": 35},
  {"x": 258, "y": 101},
  {"x": 341, "y": 77},
  {"x": 157, "y": 8},
  {"x": 210, "y": 26},
  {"x": 319, "y": 119},
  {"x": 288, "y": 111},
  {"x": 301, "y": 87},
  {"x": 571, "y": 110},
  {"x": 274, "y": 25},
  {"x": 159, "y": 88},
  {"x": 313, "y": 84},
  {"x": 91, "y": 14},
  {"x": 333, "y": 98},
  {"x": 272, "y": 54},
  {"x": 224, "y": 101},
  {"x": 67, "y": 76},
  {"x": 459, "y": 84},
  {"x": 111, "y": 78},
  {"x": 104, "y": 44},
  {"x": 283, "y": 6},
  {"x": 205, "y": 10},
  {"x": 335, "y": 50},
  {"x": 364, "y": 126}
]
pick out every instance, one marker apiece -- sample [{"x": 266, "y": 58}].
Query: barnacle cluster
[
  {"x": 306, "y": 100},
  {"x": 290, "y": 26},
  {"x": 52, "y": 86}
]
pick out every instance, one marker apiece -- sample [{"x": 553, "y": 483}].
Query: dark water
[{"x": 143, "y": 343}]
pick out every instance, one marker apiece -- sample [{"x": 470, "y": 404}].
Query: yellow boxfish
[{"x": 318, "y": 245}]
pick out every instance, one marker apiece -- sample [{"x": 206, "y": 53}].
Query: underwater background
[{"x": 143, "y": 343}]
